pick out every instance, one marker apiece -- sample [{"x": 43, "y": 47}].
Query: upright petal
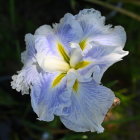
[
  {"x": 91, "y": 21},
  {"x": 68, "y": 30},
  {"x": 44, "y": 30},
  {"x": 30, "y": 71},
  {"x": 29, "y": 54},
  {"x": 89, "y": 106}
]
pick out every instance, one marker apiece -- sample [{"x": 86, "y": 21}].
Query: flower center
[
  {"x": 55, "y": 64},
  {"x": 66, "y": 65}
]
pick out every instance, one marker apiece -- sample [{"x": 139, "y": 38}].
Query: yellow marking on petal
[
  {"x": 82, "y": 44},
  {"x": 58, "y": 79},
  {"x": 76, "y": 86},
  {"x": 82, "y": 64},
  {"x": 63, "y": 52}
]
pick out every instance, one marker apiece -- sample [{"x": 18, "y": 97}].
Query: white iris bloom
[{"x": 63, "y": 67}]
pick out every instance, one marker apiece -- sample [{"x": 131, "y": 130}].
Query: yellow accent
[
  {"x": 76, "y": 86},
  {"x": 58, "y": 79},
  {"x": 63, "y": 52},
  {"x": 82, "y": 64},
  {"x": 83, "y": 44}
]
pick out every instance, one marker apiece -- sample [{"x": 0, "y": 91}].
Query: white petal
[
  {"x": 25, "y": 78},
  {"x": 19, "y": 83},
  {"x": 52, "y": 64},
  {"x": 76, "y": 56}
]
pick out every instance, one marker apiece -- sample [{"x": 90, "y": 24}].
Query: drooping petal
[
  {"x": 50, "y": 96},
  {"x": 102, "y": 58},
  {"x": 89, "y": 106},
  {"x": 115, "y": 37}
]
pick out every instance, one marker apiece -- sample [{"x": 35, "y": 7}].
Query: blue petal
[
  {"x": 115, "y": 37},
  {"x": 48, "y": 101},
  {"x": 32, "y": 73},
  {"x": 46, "y": 44},
  {"x": 29, "y": 54},
  {"x": 45, "y": 40},
  {"x": 94, "y": 28},
  {"x": 102, "y": 57},
  {"x": 88, "y": 108},
  {"x": 68, "y": 30},
  {"x": 91, "y": 22}
]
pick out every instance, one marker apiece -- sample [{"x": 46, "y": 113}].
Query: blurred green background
[{"x": 17, "y": 119}]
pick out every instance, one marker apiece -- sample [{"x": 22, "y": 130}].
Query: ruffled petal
[
  {"x": 25, "y": 78},
  {"x": 114, "y": 37},
  {"x": 95, "y": 30},
  {"x": 88, "y": 108},
  {"x": 48, "y": 100},
  {"x": 91, "y": 21},
  {"x": 29, "y": 54},
  {"x": 44, "y": 30}
]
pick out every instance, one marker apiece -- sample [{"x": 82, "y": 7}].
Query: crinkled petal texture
[
  {"x": 28, "y": 56},
  {"x": 103, "y": 45},
  {"x": 29, "y": 74},
  {"x": 48, "y": 101},
  {"x": 88, "y": 108},
  {"x": 94, "y": 29},
  {"x": 63, "y": 66}
]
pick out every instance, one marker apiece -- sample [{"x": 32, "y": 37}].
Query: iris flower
[{"x": 63, "y": 66}]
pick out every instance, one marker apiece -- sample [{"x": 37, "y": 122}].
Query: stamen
[
  {"x": 82, "y": 64},
  {"x": 83, "y": 44},
  {"x": 76, "y": 86},
  {"x": 76, "y": 56},
  {"x": 63, "y": 52},
  {"x": 58, "y": 79}
]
